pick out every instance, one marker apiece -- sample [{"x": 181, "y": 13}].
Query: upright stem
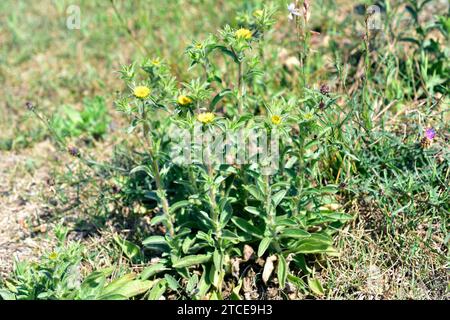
[
  {"x": 144, "y": 50},
  {"x": 271, "y": 214},
  {"x": 156, "y": 172},
  {"x": 240, "y": 88},
  {"x": 300, "y": 25},
  {"x": 212, "y": 195},
  {"x": 367, "y": 75}
]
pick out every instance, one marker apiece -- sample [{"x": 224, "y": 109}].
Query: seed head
[
  {"x": 324, "y": 89},
  {"x": 29, "y": 105},
  {"x": 73, "y": 151},
  {"x": 322, "y": 105}
]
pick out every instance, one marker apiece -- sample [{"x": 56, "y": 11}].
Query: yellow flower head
[
  {"x": 156, "y": 62},
  {"x": 258, "y": 13},
  {"x": 243, "y": 34},
  {"x": 276, "y": 119},
  {"x": 184, "y": 100},
  {"x": 308, "y": 116},
  {"x": 53, "y": 256},
  {"x": 206, "y": 117},
  {"x": 141, "y": 92},
  {"x": 199, "y": 46}
]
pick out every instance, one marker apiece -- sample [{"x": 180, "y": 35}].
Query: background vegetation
[{"x": 78, "y": 226}]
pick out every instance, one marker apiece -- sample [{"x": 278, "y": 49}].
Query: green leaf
[
  {"x": 93, "y": 285},
  {"x": 315, "y": 286},
  {"x": 129, "y": 249},
  {"x": 235, "y": 292},
  {"x": 227, "y": 52},
  {"x": 328, "y": 216},
  {"x": 300, "y": 262},
  {"x": 178, "y": 205},
  {"x": 192, "y": 260},
  {"x": 219, "y": 97},
  {"x": 7, "y": 295},
  {"x": 217, "y": 259},
  {"x": 158, "y": 290},
  {"x": 158, "y": 219},
  {"x": 247, "y": 227},
  {"x": 299, "y": 283},
  {"x": 286, "y": 222},
  {"x": 255, "y": 193},
  {"x": 314, "y": 244},
  {"x": 282, "y": 271},
  {"x": 171, "y": 282},
  {"x": 146, "y": 169},
  {"x": 294, "y": 233},
  {"x": 203, "y": 284},
  {"x": 129, "y": 289},
  {"x": 154, "y": 240},
  {"x": 156, "y": 243},
  {"x": 11, "y": 287},
  {"x": 192, "y": 283},
  {"x": 253, "y": 210},
  {"x": 113, "y": 297},
  {"x": 263, "y": 245},
  {"x": 205, "y": 219},
  {"x": 226, "y": 215},
  {"x": 233, "y": 237},
  {"x": 214, "y": 276},
  {"x": 118, "y": 283},
  {"x": 152, "y": 270},
  {"x": 187, "y": 243},
  {"x": 277, "y": 197}
]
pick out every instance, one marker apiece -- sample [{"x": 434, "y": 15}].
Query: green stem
[
  {"x": 144, "y": 50},
  {"x": 271, "y": 214},
  {"x": 212, "y": 195},
  {"x": 156, "y": 173},
  {"x": 240, "y": 88}
]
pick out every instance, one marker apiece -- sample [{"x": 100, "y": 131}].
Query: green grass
[{"x": 381, "y": 101}]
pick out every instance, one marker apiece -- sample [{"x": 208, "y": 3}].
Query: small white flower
[{"x": 293, "y": 11}]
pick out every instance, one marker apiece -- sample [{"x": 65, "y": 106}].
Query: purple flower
[{"x": 430, "y": 133}]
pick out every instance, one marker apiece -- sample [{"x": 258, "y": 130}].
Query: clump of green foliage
[
  {"x": 211, "y": 211},
  {"x": 349, "y": 142},
  {"x": 55, "y": 276},
  {"x": 59, "y": 276},
  {"x": 91, "y": 122}
]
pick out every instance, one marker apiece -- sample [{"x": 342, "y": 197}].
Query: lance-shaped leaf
[
  {"x": 192, "y": 260},
  {"x": 247, "y": 227}
]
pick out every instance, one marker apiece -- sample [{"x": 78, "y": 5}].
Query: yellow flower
[
  {"x": 243, "y": 34},
  {"x": 53, "y": 256},
  {"x": 184, "y": 101},
  {"x": 206, "y": 117},
  {"x": 141, "y": 92},
  {"x": 308, "y": 116},
  {"x": 276, "y": 119},
  {"x": 199, "y": 46},
  {"x": 258, "y": 13},
  {"x": 156, "y": 62}
]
